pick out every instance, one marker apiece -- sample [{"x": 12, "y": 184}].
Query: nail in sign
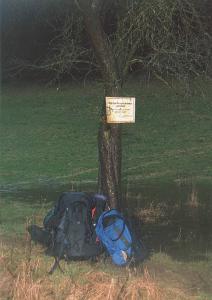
[{"x": 120, "y": 109}]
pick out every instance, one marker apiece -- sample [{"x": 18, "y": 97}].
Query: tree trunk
[
  {"x": 109, "y": 136},
  {"x": 109, "y": 182}
]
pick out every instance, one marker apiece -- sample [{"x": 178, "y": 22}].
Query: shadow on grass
[{"x": 174, "y": 218}]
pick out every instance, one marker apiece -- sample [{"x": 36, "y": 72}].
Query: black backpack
[{"x": 73, "y": 232}]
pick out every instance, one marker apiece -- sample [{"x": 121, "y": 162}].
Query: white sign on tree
[{"x": 120, "y": 109}]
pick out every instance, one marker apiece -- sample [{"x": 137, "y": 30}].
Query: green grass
[
  {"x": 49, "y": 135},
  {"x": 15, "y": 215},
  {"x": 172, "y": 135},
  {"x": 49, "y": 140}
]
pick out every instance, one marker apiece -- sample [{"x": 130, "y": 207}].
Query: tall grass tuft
[{"x": 25, "y": 287}]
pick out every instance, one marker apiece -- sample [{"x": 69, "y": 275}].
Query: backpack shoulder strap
[
  {"x": 109, "y": 218},
  {"x": 52, "y": 219}
]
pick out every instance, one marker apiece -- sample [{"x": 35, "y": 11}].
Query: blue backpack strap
[
  {"x": 116, "y": 215},
  {"x": 121, "y": 236}
]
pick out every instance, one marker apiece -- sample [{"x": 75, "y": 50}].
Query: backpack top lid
[
  {"x": 92, "y": 200},
  {"x": 65, "y": 201},
  {"x": 100, "y": 197},
  {"x": 68, "y": 198}
]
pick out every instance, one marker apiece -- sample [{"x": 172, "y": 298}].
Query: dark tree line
[{"x": 164, "y": 38}]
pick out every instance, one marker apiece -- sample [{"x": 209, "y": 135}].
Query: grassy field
[
  {"x": 48, "y": 144},
  {"x": 51, "y": 135}
]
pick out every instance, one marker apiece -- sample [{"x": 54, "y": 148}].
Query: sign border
[{"x": 120, "y": 122}]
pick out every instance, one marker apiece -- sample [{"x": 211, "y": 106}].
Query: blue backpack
[{"x": 118, "y": 239}]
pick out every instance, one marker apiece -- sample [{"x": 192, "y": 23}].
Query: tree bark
[{"x": 109, "y": 136}]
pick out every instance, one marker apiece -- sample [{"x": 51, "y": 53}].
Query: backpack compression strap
[
  {"x": 106, "y": 223},
  {"x": 122, "y": 237}
]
